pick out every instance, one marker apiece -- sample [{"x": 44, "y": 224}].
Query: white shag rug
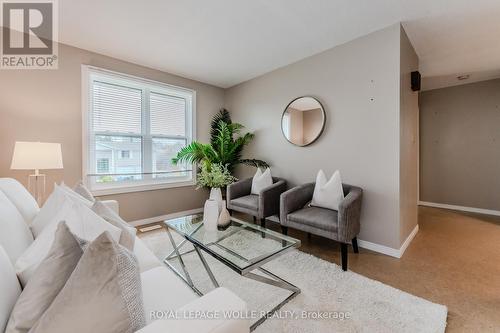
[{"x": 370, "y": 306}]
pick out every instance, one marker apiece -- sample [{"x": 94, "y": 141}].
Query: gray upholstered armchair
[
  {"x": 342, "y": 226},
  {"x": 266, "y": 204}
]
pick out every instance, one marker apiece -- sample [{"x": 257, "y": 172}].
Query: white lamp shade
[{"x": 36, "y": 156}]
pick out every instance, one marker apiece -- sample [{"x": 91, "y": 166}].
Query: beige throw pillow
[
  {"x": 103, "y": 295},
  {"x": 47, "y": 281},
  {"x": 127, "y": 237},
  {"x": 82, "y": 190}
]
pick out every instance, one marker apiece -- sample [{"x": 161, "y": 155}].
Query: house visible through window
[{"x": 134, "y": 128}]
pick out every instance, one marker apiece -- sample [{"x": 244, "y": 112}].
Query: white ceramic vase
[
  {"x": 224, "y": 217},
  {"x": 216, "y": 194},
  {"x": 211, "y": 215}
]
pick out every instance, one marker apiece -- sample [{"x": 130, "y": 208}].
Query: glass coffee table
[{"x": 242, "y": 246}]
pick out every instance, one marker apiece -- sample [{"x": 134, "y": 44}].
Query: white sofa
[{"x": 162, "y": 289}]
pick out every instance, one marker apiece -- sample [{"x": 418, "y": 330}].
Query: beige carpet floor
[{"x": 370, "y": 306}]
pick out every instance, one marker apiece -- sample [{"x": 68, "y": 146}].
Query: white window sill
[{"x": 128, "y": 188}]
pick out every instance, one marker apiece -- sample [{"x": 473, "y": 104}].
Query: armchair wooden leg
[
  {"x": 263, "y": 225},
  {"x": 309, "y": 236},
  {"x": 355, "y": 245},
  {"x": 343, "y": 253},
  {"x": 230, "y": 212},
  {"x": 254, "y": 219},
  {"x": 284, "y": 230}
]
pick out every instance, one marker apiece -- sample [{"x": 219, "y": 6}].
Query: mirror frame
[{"x": 322, "y": 127}]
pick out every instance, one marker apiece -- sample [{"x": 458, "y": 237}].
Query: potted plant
[
  {"x": 225, "y": 147},
  {"x": 214, "y": 176},
  {"x": 217, "y": 161}
]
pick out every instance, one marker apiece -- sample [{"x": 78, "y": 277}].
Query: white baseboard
[
  {"x": 407, "y": 241},
  {"x": 460, "y": 208},
  {"x": 379, "y": 248},
  {"x": 160, "y": 218},
  {"x": 396, "y": 253}
]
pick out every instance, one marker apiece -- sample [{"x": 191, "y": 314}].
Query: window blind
[
  {"x": 116, "y": 108},
  {"x": 167, "y": 115}
]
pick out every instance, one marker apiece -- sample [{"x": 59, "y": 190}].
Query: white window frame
[{"x": 89, "y": 73}]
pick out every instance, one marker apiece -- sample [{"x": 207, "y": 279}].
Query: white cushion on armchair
[
  {"x": 147, "y": 260},
  {"x": 164, "y": 291}
]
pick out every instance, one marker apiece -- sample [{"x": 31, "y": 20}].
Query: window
[{"x": 133, "y": 129}]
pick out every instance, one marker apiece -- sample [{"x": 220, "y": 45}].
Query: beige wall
[
  {"x": 409, "y": 140},
  {"x": 460, "y": 145},
  {"x": 358, "y": 84},
  {"x": 45, "y": 105}
]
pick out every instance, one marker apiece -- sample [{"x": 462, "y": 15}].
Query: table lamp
[{"x": 36, "y": 156}]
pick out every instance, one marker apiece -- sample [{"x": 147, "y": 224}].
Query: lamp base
[{"x": 36, "y": 186}]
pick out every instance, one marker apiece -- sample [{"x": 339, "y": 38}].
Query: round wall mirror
[{"x": 303, "y": 121}]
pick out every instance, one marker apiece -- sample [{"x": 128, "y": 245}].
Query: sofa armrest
[
  {"x": 221, "y": 303},
  {"x": 349, "y": 214},
  {"x": 269, "y": 198},
  {"x": 112, "y": 204},
  {"x": 239, "y": 189},
  {"x": 294, "y": 199}
]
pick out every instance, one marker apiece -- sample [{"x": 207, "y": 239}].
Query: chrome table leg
[
  {"x": 183, "y": 266},
  {"x": 276, "y": 281},
  {"x": 207, "y": 268}
]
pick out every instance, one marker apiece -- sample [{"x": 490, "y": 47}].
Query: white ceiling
[{"x": 225, "y": 42}]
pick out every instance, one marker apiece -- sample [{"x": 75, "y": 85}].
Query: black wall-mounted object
[{"x": 415, "y": 81}]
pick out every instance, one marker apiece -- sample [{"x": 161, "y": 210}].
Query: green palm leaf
[
  {"x": 222, "y": 115},
  {"x": 195, "y": 153},
  {"x": 255, "y": 163},
  {"x": 225, "y": 148}
]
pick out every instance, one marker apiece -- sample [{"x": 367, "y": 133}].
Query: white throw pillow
[
  {"x": 50, "y": 209},
  {"x": 127, "y": 237},
  {"x": 261, "y": 180},
  {"x": 328, "y": 194},
  {"x": 75, "y": 196},
  {"x": 82, "y": 222}
]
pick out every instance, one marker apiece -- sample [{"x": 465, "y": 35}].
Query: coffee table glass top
[{"x": 242, "y": 246}]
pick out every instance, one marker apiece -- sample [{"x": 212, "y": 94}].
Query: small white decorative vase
[
  {"x": 224, "y": 217},
  {"x": 216, "y": 194},
  {"x": 211, "y": 214}
]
